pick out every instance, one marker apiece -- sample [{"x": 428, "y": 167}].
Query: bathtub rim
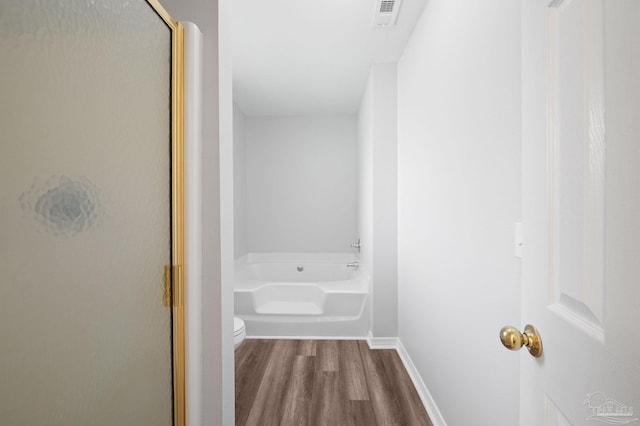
[{"x": 360, "y": 283}]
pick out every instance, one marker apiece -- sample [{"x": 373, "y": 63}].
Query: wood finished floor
[{"x": 323, "y": 382}]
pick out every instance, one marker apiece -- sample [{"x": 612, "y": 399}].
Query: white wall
[
  {"x": 217, "y": 300},
  {"x": 301, "y": 183},
  {"x": 377, "y": 195},
  {"x": 193, "y": 220},
  {"x": 225, "y": 165},
  {"x": 365, "y": 175},
  {"x": 239, "y": 183},
  {"x": 458, "y": 199}
]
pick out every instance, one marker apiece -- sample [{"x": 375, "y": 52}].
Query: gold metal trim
[
  {"x": 160, "y": 10},
  {"x": 177, "y": 211},
  {"x": 178, "y": 287},
  {"x": 177, "y": 166}
]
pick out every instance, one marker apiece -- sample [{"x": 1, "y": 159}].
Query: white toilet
[{"x": 239, "y": 332}]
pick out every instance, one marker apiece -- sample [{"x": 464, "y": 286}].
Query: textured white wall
[
  {"x": 301, "y": 183},
  {"x": 239, "y": 184},
  {"x": 458, "y": 200},
  {"x": 377, "y": 195}
]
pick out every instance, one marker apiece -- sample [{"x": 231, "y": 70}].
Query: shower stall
[{"x": 91, "y": 255}]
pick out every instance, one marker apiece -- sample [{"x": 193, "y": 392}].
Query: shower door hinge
[
  {"x": 166, "y": 297},
  {"x": 173, "y": 292}
]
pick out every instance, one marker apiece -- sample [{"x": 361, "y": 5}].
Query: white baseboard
[
  {"x": 308, "y": 337},
  {"x": 421, "y": 388},
  {"x": 382, "y": 342}
]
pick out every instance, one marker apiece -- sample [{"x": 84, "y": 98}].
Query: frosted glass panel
[{"x": 85, "y": 213}]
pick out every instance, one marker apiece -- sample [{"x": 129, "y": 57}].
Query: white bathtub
[{"x": 301, "y": 295}]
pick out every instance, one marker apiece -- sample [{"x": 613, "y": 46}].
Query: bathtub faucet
[{"x": 354, "y": 265}]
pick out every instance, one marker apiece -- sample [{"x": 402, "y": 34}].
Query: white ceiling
[{"x": 310, "y": 57}]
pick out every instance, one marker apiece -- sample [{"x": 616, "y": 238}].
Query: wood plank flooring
[{"x": 323, "y": 382}]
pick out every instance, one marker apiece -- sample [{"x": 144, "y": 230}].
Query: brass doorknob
[{"x": 513, "y": 340}]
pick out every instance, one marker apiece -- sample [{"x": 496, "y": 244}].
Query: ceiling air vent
[{"x": 386, "y": 13}]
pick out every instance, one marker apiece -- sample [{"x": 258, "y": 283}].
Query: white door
[{"x": 581, "y": 211}]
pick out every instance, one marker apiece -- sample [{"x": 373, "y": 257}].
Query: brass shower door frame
[{"x": 177, "y": 213}]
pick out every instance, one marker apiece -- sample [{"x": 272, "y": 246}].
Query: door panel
[
  {"x": 576, "y": 161},
  {"x": 581, "y": 103},
  {"x": 85, "y": 196},
  {"x": 553, "y": 415}
]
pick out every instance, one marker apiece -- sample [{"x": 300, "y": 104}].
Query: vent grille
[
  {"x": 386, "y": 13},
  {"x": 386, "y": 6}
]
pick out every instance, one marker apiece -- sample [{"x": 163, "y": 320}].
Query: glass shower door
[{"x": 85, "y": 213}]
